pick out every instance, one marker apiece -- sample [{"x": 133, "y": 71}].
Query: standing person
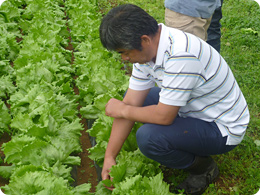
[
  {"x": 196, "y": 111},
  {"x": 201, "y": 18}
]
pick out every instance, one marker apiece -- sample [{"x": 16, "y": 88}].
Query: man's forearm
[
  {"x": 156, "y": 114},
  {"x": 120, "y": 131},
  {"x": 161, "y": 114}
]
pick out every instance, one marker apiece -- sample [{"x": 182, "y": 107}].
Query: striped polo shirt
[{"x": 193, "y": 75}]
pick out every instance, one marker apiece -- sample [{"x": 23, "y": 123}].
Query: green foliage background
[{"x": 240, "y": 46}]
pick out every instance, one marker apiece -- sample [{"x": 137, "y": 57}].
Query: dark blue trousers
[
  {"x": 176, "y": 145},
  {"x": 214, "y": 32}
]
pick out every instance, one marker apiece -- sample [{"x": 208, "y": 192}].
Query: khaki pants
[{"x": 193, "y": 25}]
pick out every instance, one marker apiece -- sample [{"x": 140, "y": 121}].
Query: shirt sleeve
[
  {"x": 183, "y": 74},
  {"x": 140, "y": 79}
]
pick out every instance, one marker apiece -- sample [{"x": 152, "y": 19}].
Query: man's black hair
[{"x": 124, "y": 25}]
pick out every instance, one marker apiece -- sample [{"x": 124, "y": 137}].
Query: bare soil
[
  {"x": 86, "y": 172},
  {"x": 5, "y": 138}
]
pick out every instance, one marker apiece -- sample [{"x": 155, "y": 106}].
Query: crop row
[{"x": 43, "y": 121}]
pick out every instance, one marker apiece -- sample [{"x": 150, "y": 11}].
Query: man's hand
[
  {"x": 108, "y": 163},
  {"x": 114, "y": 108}
]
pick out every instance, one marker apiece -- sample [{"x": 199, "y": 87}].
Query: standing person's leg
[
  {"x": 214, "y": 32},
  {"x": 194, "y": 25}
]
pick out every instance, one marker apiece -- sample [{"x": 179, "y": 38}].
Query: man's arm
[
  {"x": 120, "y": 130},
  {"x": 161, "y": 114}
]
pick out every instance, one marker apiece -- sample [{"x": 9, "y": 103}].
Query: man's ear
[{"x": 145, "y": 40}]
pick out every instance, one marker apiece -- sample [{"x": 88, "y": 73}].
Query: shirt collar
[{"x": 163, "y": 44}]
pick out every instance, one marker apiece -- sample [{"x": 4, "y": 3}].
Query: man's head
[{"x": 124, "y": 26}]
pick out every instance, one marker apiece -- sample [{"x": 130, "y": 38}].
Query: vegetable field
[{"x": 55, "y": 79}]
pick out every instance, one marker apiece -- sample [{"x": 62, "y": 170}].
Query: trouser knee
[
  {"x": 154, "y": 146},
  {"x": 142, "y": 138}
]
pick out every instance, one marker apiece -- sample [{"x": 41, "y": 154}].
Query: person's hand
[
  {"x": 108, "y": 163},
  {"x": 114, "y": 108}
]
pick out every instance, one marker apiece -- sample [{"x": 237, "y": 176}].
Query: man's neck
[{"x": 157, "y": 40}]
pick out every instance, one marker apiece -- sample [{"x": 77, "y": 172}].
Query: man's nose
[{"x": 125, "y": 57}]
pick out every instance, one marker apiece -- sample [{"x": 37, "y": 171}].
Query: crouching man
[{"x": 181, "y": 89}]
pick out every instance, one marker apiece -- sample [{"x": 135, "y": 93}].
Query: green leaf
[
  {"x": 82, "y": 189},
  {"x": 129, "y": 185},
  {"x": 37, "y": 182},
  {"x": 6, "y": 171},
  {"x": 13, "y": 148},
  {"x": 5, "y": 118},
  {"x": 102, "y": 190},
  {"x": 61, "y": 170},
  {"x": 143, "y": 185},
  {"x": 121, "y": 171},
  {"x": 97, "y": 152},
  {"x": 107, "y": 182},
  {"x": 22, "y": 122},
  {"x": 6, "y": 86},
  {"x": 101, "y": 130},
  {"x": 5, "y": 68},
  {"x": 90, "y": 112},
  {"x": 72, "y": 160}
]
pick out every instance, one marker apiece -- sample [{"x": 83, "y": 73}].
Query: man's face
[
  {"x": 147, "y": 54},
  {"x": 135, "y": 56}
]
